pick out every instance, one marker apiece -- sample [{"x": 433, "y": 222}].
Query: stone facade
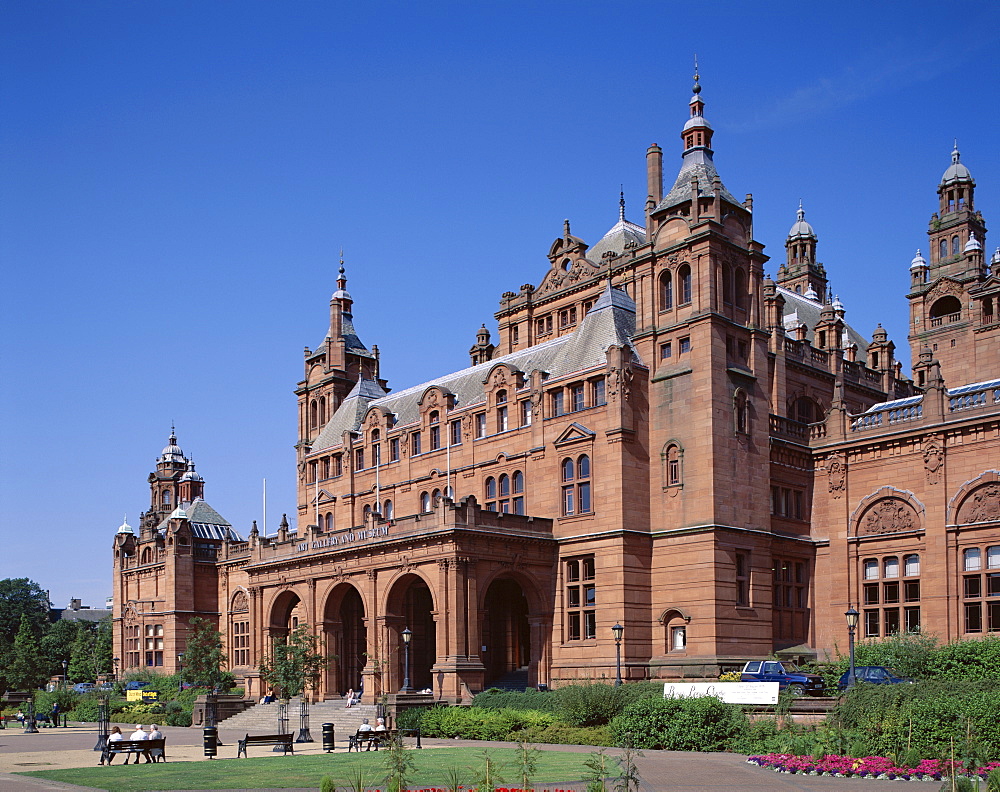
[{"x": 661, "y": 437}]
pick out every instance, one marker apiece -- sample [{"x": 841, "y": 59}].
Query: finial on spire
[
  {"x": 954, "y": 152},
  {"x": 621, "y": 203},
  {"x": 802, "y": 212},
  {"x": 697, "y": 77}
]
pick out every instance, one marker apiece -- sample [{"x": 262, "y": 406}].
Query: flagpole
[{"x": 265, "y": 507}]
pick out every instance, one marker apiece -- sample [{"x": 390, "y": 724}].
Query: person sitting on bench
[
  {"x": 115, "y": 736},
  {"x": 139, "y": 734}
]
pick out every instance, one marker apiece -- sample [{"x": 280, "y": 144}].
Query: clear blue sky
[{"x": 178, "y": 178}]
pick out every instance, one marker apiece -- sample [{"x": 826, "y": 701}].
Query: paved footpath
[{"x": 675, "y": 771}]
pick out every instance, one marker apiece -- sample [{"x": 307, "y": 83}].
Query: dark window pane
[
  {"x": 912, "y": 619},
  {"x": 871, "y": 594},
  {"x": 589, "y": 624},
  {"x": 972, "y": 587},
  {"x": 973, "y": 617},
  {"x": 890, "y": 593},
  {"x": 911, "y": 591},
  {"x": 891, "y": 621},
  {"x": 574, "y": 626}
]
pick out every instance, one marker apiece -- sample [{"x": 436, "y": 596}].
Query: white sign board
[{"x": 730, "y": 692}]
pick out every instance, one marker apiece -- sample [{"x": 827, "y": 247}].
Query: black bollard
[
  {"x": 211, "y": 741},
  {"x": 328, "y": 737}
]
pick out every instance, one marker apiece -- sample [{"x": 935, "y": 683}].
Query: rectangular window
[
  {"x": 514, "y": 335},
  {"x": 557, "y": 403},
  {"x": 871, "y": 624},
  {"x": 911, "y": 591},
  {"x": 576, "y": 398},
  {"x": 456, "y": 431},
  {"x": 525, "y": 413},
  {"x": 972, "y": 587},
  {"x": 685, "y": 345},
  {"x": 871, "y": 569},
  {"x": 338, "y": 466},
  {"x": 973, "y": 617},
  {"x": 993, "y": 557},
  {"x": 435, "y": 433},
  {"x": 891, "y": 621},
  {"x": 568, "y": 506},
  {"x": 912, "y": 616},
  {"x": 501, "y": 419},
  {"x": 394, "y": 449},
  {"x": 313, "y": 469},
  {"x": 583, "y": 493},
  {"x": 871, "y": 594},
  {"x": 415, "y": 444},
  {"x": 518, "y": 504},
  {"x": 971, "y": 559},
  {"x": 480, "y": 425},
  {"x": 790, "y": 617},
  {"x": 581, "y": 600},
  {"x": 597, "y": 393},
  {"x": 890, "y": 593},
  {"x": 911, "y": 565},
  {"x": 743, "y": 579},
  {"x": 666, "y": 350},
  {"x": 359, "y": 459}
]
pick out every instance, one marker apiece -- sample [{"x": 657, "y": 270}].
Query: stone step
[{"x": 263, "y": 718}]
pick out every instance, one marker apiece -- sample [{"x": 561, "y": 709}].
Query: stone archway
[
  {"x": 506, "y": 634},
  {"x": 410, "y": 605},
  {"x": 345, "y": 639},
  {"x": 287, "y": 613}
]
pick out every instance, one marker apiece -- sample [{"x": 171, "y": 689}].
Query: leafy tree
[
  {"x": 22, "y": 669},
  {"x": 203, "y": 657},
  {"x": 21, "y": 597},
  {"x": 104, "y": 644},
  {"x": 57, "y": 645},
  {"x": 294, "y": 664},
  {"x": 81, "y": 661}
]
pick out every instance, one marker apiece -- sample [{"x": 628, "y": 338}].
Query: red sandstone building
[{"x": 662, "y": 437}]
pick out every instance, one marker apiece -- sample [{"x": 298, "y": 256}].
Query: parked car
[
  {"x": 873, "y": 675},
  {"x": 786, "y": 674},
  {"x": 83, "y": 687},
  {"x": 135, "y": 684}
]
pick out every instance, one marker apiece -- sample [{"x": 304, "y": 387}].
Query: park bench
[
  {"x": 368, "y": 738},
  {"x": 284, "y": 740},
  {"x": 154, "y": 749},
  {"x": 4, "y": 720}
]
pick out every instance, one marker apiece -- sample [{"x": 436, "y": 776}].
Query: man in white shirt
[{"x": 138, "y": 734}]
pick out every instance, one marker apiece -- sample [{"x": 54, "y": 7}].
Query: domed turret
[
  {"x": 125, "y": 528},
  {"x": 956, "y": 172},
  {"x": 171, "y": 451},
  {"x": 801, "y": 229},
  {"x": 971, "y": 245},
  {"x": 918, "y": 262}
]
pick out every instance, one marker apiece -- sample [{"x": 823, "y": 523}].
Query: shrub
[
  {"x": 758, "y": 737},
  {"x": 679, "y": 724},
  {"x": 589, "y": 704},
  {"x": 562, "y": 734},
  {"x": 890, "y": 719},
  {"x": 411, "y": 718},
  {"x": 509, "y": 699},
  {"x": 480, "y": 724},
  {"x": 976, "y": 658}
]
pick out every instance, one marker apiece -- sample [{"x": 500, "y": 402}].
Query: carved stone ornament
[
  {"x": 945, "y": 287},
  {"x": 983, "y": 505},
  {"x": 240, "y": 603},
  {"x": 933, "y": 459},
  {"x": 619, "y": 382},
  {"x": 536, "y": 401},
  {"x": 467, "y": 427},
  {"x": 836, "y": 472},
  {"x": 432, "y": 399},
  {"x": 889, "y": 515}
]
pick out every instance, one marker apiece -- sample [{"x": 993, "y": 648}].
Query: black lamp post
[
  {"x": 852, "y": 625},
  {"x": 65, "y": 664},
  {"x": 618, "y": 630},
  {"x": 407, "y": 636},
  {"x": 180, "y": 672}
]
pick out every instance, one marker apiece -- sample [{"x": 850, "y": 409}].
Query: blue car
[
  {"x": 873, "y": 675},
  {"x": 786, "y": 674},
  {"x": 83, "y": 687},
  {"x": 135, "y": 684}
]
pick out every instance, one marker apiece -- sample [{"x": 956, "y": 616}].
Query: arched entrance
[
  {"x": 411, "y": 605},
  {"x": 506, "y": 633},
  {"x": 346, "y": 640},
  {"x": 287, "y": 613}
]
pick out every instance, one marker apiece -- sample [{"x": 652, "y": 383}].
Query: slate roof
[
  {"x": 611, "y": 322},
  {"x": 799, "y": 309},
  {"x": 206, "y": 522},
  {"x": 620, "y": 234},
  {"x": 351, "y": 341},
  {"x": 951, "y": 392},
  {"x": 697, "y": 162}
]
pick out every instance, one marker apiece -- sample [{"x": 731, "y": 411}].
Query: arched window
[
  {"x": 517, "y": 487},
  {"x": 387, "y": 510},
  {"x": 943, "y": 249},
  {"x": 491, "y": 494},
  {"x": 576, "y": 486},
  {"x": 805, "y": 410},
  {"x": 727, "y": 285},
  {"x": 314, "y": 414},
  {"x": 435, "y": 420},
  {"x": 367, "y": 513},
  {"x": 684, "y": 277},
  {"x": 672, "y": 466},
  {"x": 740, "y": 288},
  {"x": 741, "y": 410},
  {"x": 166, "y": 497},
  {"x": 945, "y": 307},
  {"x": 147, "y": 556},
  {"x": 425, "y": 502},
  {"x": 376, "y": 447},
  {"x": 322, "y": 409},
  {"x": 954, "y": 246},
  {"x": 666, "y": 291},
  {"x": 436, "y": 497},
  {"x": 503, "y": 504},
  {"x": 329, "y": 521}
]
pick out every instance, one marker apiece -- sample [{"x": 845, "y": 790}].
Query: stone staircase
[
  {"x": 263, "y": 718},
  {"x": 516, "y": 680}
]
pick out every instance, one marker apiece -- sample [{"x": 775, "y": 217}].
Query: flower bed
[{"x": 868, "y": 767}]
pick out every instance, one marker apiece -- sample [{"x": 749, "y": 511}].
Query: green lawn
[{"x": 431, "y": 765}]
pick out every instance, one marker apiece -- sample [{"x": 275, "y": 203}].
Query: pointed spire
[
  {"x": 697, "y": 78},
  {"x": 955, "y": 156},
  {"x": 802, "y": 212},
  {"x": 125, "y": 527},
  {"x": 621, "y": 203}
]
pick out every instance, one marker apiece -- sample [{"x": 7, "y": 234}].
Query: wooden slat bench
[
  {"x": 284, "y": 740},
  {"x": 369, "y": 738},
  {"x": 155, "y": 750}
]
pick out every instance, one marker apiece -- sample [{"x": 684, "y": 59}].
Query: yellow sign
[{"x": 149, "y": 696}]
